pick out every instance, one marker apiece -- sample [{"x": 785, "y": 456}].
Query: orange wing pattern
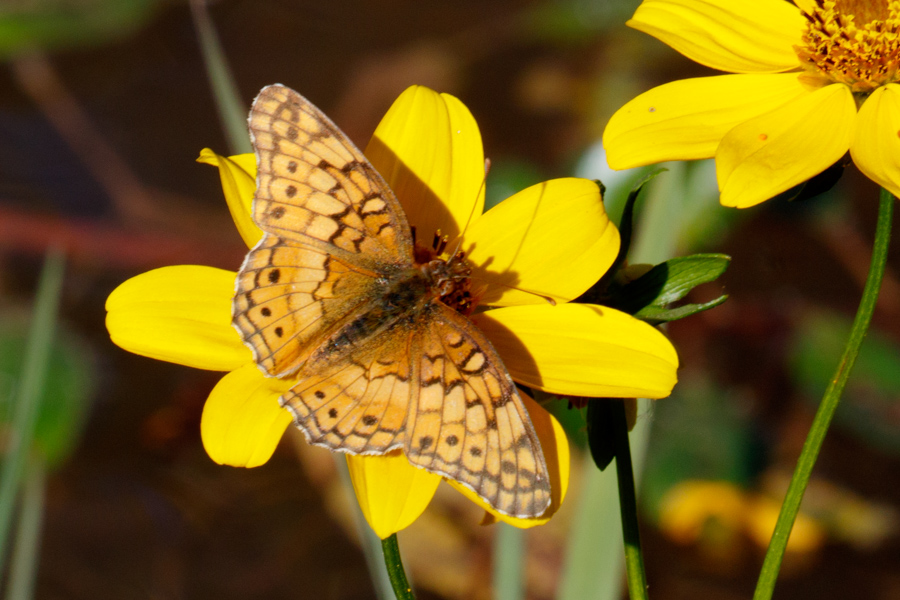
[
  {"x": 289, "y": 297},
  {"x": 358, "y": 404},
  {"x": 469, "y": 423},
  {"x": 331, "y": 296},
  {"x": 314, "y": 186}
]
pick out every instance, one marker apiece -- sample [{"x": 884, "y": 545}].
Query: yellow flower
[
  {"x": 689, "y": 508},
  {"x": 553, "y": 240},
  {"x": 813, "y": 80}
]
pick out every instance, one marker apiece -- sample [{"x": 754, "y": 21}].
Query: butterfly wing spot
[
  {"x": 373, "y": 206},
  {"x": 474, "y": 363}
]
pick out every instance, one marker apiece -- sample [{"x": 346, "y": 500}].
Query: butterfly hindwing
[
  {"x": 468, "y": 421},
  {"x": 358, "y": 403},
  {"x": 315, "y": 186}
]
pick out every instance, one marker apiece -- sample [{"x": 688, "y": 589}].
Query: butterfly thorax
[{"x": 405, "y": 296}]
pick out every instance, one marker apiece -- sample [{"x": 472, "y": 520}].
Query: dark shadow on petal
[
  {"x": 515, "y": 356},
  {"x": 424, "y": 209},
  {"x": 497, "y": 281}
]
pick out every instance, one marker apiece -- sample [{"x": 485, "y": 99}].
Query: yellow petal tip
[{"x": 208, "y": 157}]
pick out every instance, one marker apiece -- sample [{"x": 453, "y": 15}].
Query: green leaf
[
  {"x": 67, "y": 388},
  {"x": 50, "y": 24},
  {"x": 649, "y": 296},
  {"x": 626, "y": 225},
  {"x": 655, "y": 314}
]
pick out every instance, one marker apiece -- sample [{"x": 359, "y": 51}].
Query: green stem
[
  {"x": 371, "y": 543},
  {"x": 30, "y": 390},
  {"x": 232, "y": 112},
  {"x": 509, "y": 562},
  {"x": 23, "y": 570},
  {"x": 791, "y": 506},
  {"x": 395, "y": 568},
  {"x": 634, "y": 560}
]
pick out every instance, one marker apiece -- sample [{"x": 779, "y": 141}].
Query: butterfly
[{"x": 334, "y": 297}]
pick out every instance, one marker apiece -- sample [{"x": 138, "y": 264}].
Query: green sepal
[
  {"x": 602, "y": 418},
  {"x": 649, "y": 297},
  {"x": 816, "y": 185},
  {"x": 600, "y": 432}
]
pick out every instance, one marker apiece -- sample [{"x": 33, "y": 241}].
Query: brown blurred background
[{"x": 104, "y": 107}]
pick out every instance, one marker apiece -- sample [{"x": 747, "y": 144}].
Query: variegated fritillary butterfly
[{"x": 332, "y": 296}]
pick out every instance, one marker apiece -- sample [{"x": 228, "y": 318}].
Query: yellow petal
[
  {"x": 238, "y": 175},
  {"x": 777, "y": 150},
  {"x": 582, "y": 350},
  {"x": 686, "y": 119},
  {"x": 552, "y": 239},
  {"x": 806, "y": 6},
  {"x": 556, "y": 454},
  {"x": 242, "y": 421},
  {"x": 178, "y": 314},
  {"x": 687, "y": 508},
  {"x": 729, "y": 35},
  {"x": 428, "y": 149},
  {"x": 876, "y": 143},
  {"x": 391, "y": 492}
]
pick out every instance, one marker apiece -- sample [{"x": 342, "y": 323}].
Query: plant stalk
[
  {"x": 395, "y": 568},
  {"x": 765, "y": 586},
  {"x": 634, "y": 559}
]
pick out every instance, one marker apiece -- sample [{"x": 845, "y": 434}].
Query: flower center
[
  {"x": 855, "y": 42},
  {"x": 451, "y": 276}
]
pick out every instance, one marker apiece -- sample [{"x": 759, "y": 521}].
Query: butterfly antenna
[
  {"x": 548, "y": 299},
  {"x": 459, "y": 241}
]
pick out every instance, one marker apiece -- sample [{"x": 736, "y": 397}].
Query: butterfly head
[
  {"x": 450, "y": 282},
  {"x": 448, "y": 277}
]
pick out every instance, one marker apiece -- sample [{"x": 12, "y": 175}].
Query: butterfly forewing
[{"x": 315, "y": 186}]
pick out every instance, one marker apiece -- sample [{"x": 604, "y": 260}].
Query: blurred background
[{"x": 104, "y": 107}]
